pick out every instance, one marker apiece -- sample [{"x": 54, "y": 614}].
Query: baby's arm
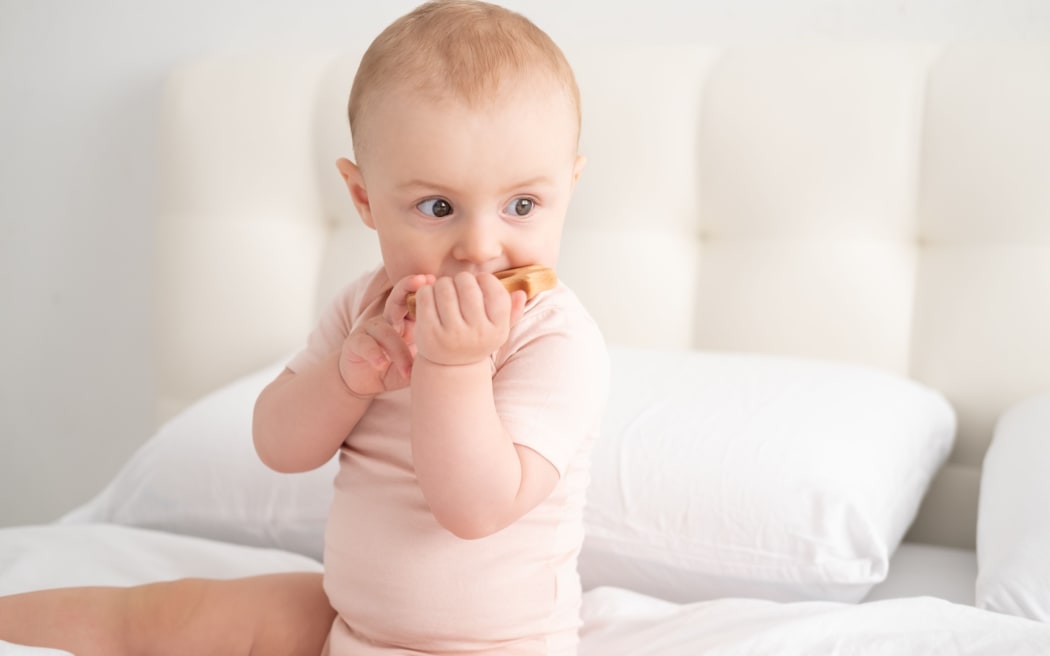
[
  {"x": 475, "y": 479},
  {"x": 302, "y": 418}
]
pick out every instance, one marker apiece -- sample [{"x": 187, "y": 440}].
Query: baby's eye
[
  {"x": 521, "y": 206},
  {"x": 435, "y": 207}
]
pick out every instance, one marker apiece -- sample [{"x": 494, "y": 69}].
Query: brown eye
[
  {"x": 435, "y": 207},
  {"x": 521, "y": 206}
]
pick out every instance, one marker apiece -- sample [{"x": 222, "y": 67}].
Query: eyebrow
[{"x": 531, "y": 182}]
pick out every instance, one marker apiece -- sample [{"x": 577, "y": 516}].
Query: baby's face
[{"x": 454, "y": 188}]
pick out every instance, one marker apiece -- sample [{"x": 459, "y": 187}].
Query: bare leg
[
  {"x": 272, "y": 615},
  {"x": 83, "y": 620}
]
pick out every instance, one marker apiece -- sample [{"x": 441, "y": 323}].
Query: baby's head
[
  {"x": 465, "y": 120},
  {"x": 456, "y": 49}
]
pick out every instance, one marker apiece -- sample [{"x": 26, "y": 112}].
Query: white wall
[{"x": 79, "y": 93}]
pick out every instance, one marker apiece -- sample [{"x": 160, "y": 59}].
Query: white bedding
[
  {"x": 924, "y": 570},
  {"x": 620, "y": 622},
  {"x": 616, "y": 622},
  {"x": 200, "y": 480},
  {"x": 11, "y": 649}
]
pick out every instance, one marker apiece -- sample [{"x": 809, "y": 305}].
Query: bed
[{"x": 822, "y": 273}]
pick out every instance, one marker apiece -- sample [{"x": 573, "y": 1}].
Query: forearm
[
  {"x": 466, "y": 463},
  {"x": 302, "y": 419}
]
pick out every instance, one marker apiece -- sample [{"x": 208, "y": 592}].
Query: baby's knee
[{"x": 297, "y": 616}]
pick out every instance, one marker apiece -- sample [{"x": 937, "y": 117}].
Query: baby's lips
[{"x": 531, "y": 279}]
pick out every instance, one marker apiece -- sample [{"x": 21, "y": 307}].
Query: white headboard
[{"x": 880, "y": 204}]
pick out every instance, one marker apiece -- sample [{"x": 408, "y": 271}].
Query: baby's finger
[
  {"x": 364, "y": 348},
  {"x": 446, "y": 302},
  {"x": 495, "y": 298},
  {"x": 396, "y": 309},
  {"x": 518, "y": 299},
  {"x": 472, "y": 297},
  {"x": 393, "y": 346},
  {"x": 424, "y": 302}
]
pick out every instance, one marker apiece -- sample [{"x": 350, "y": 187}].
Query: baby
[{"x": 463, "y": 433}]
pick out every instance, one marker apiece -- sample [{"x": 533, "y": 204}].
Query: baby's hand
[
  {"x": 464, "y": 319},
  {"x": 377, "y": 356}
]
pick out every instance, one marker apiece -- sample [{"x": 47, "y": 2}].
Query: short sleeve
[
  {"x": 339, "y": 317},
  {"x": 552, "y": 378}
]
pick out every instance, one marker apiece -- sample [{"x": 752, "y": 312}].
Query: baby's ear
[
  {"x": 577, "y": 168},
  {"x": 355, "y": 184}
]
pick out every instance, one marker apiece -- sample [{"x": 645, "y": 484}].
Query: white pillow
[
  {"x": 723, "y": 475},
  {"x": 199, "y": 475},
  {"x": 1013, "y": 524},
  {"x": 716, "y": 475},
  {"x": 53, "y": 556}
]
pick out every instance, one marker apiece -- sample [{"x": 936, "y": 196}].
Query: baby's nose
[{"x": 479, "y": 241}]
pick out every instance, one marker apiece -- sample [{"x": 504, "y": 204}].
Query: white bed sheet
[
  {"x": 616, "y": 622},
  {"x": 622, "y": 623},
  {"x": 11, "y": 649}
]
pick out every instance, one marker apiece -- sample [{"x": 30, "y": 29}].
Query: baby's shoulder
[
  {"x": 355, "y": 297},
  {"x": 558, "y": 311},
  {"x": 556, "y": 320}
]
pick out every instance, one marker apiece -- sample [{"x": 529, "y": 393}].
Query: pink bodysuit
[{"x": 403, "y": 584}]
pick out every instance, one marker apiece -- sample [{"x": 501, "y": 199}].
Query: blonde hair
[{"x": 463, "y": 48}]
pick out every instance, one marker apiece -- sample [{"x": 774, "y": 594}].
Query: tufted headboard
[{"x": 880, "y": 204}]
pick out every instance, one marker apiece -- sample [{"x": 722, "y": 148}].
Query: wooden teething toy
[{"x": 531, "y": 279}]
